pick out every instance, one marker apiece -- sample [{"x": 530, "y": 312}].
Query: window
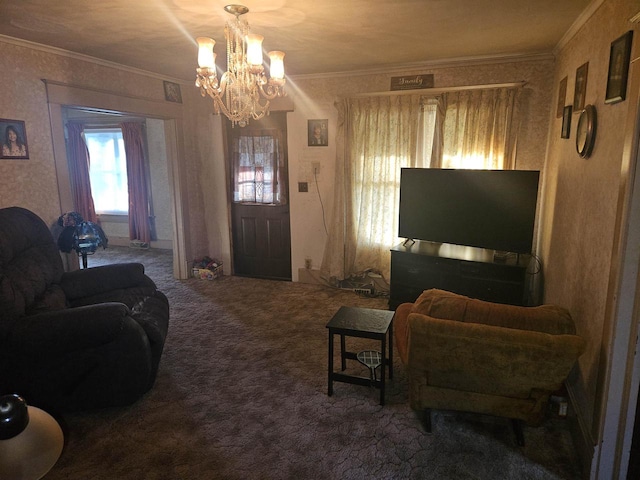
[
  {"x": 108, "y": 170},
  {"x": 258, "y": 166}
]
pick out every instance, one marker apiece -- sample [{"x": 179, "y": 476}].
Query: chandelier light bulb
[
  {"x": 276, "y": 59},
  {"x": 206, "y": 57},
  {"x": 254, "y": 49}
]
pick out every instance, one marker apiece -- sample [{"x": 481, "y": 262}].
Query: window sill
[{"x": 113, "y": 217}]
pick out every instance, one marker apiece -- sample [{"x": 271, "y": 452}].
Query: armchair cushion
[
  {"x": 99, "y": 280},
  {"x": 447, "y": 305}
]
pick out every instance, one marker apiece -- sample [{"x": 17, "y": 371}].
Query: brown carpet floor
[{"x": 242, "y": 394}]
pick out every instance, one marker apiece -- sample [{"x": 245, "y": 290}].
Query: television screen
[{"x": 493, "y": 209}]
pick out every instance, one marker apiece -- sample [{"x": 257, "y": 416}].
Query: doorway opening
[{"x": 102, "y": 134}]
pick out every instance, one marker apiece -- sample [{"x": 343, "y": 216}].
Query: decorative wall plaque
[{"x": 412, "y": 82}]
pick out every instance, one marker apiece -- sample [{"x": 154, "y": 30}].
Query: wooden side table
[{"x": 363, "y": 323}]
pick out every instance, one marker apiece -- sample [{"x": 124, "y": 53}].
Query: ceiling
[{"x": 318, "y": 36}]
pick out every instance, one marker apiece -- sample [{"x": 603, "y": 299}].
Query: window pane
[
  {"x": 108, "y": 170},
  {"x": 255, "y": 170}
]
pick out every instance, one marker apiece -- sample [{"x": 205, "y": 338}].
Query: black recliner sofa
[{"x": 78, "y": 340}]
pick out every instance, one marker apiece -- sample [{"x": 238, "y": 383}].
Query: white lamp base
[{"x": 32, "y": 453}]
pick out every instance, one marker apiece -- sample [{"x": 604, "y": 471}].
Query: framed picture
[
  {"x": 580, "y": 91},
  {"x": 619, "y": 68},
  {"x": 14, "y": 140},
  {"x": 562, "y": 96},
  {"x": 566, "y": 122},
  {"x": 318, "y": 133},
  {"x": 172, "y": 92}
]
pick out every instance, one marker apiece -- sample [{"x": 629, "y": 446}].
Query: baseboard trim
[
  {"x": 125, "y": 242},
  {"x": 308, "y": 275}
]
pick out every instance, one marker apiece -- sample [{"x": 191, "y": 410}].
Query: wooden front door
[{"x": 257, "y": 156}]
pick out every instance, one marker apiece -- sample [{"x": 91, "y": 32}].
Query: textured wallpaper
[
  {"x": 582, "y": 195},
  {"x": 28, "y": 183}
]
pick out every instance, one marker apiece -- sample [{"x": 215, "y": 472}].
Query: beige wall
[
  {"x": 160, "y": 191},
  {"x": 581, "y": 202},
  {"x": 32, "y": 183},
  {"x": 28, "y": 183}
]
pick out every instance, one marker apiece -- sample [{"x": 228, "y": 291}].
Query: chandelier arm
[{"x": 271, "y": 92}]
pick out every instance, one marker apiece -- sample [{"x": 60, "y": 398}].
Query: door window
[{"x": 258, "y": 167}]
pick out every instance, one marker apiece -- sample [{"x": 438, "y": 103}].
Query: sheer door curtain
[
  {"x": 258, "y": 166},
  {"x": 377, "y": 136}
]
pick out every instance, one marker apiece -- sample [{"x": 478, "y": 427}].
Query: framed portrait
[
  {"x": 566, "y": 122},
  {"x": 172, "y": 92},
  {"x": 318, "y": 132},
  {"x": 619, "y": 57},
  {"x": 580, "y": 91},
  {"x": 14, "y": 140},
  {"x": 562, "y": 96}
]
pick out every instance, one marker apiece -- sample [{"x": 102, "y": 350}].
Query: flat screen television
[{"x": 492, "y": 209}]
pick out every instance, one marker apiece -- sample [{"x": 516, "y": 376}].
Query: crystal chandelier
[{"x": 244, "y": 85}]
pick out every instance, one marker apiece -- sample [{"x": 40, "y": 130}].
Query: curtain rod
[
  {"x": 439, "y": 90},
  {"x": 106, "y": 124}
]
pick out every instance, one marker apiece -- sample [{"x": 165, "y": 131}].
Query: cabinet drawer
[
  {"x": 484, "y": 271},
  {"x": 404, "y": 294}
]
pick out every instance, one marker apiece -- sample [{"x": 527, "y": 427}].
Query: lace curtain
[
  {"x": 376, "y": 137},
  {"x": 257, "y": 160},
  {"x": 478, "y": 130}
]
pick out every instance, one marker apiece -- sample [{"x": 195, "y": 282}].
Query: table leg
[
  {"x": 343, "y": 350},
  {"x": 330, "y": 378},
  {"x": 382, "y": 367},
  {"x": 391, "y": 350}
]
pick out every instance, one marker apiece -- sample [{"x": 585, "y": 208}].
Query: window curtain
[
  {"x": 478, "y": 130},
  {"x": 376, "y": 137},
  {"x": 431, "y": 131},
  {"x": 78, "y": 155},
  {"x": 139, "y": 227},
  {"x": 258, "y": 167}
]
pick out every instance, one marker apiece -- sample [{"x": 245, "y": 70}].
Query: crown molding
[
  {"x": 389, "y": 70},
  {"x": 428, "y": 65},
  {"x": 577, "y": 25},
  {"x": 86, "y": 58}
]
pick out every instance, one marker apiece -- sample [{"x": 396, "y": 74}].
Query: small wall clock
[{"x": 586, "y": 131}]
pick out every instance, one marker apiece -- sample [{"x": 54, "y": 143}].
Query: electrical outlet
[
  {"x": 562, "y": 409},
  {"x": 364, "y": 291},
  {"x": 303, "y": 187},
  {"x": 315, "y": 168}
]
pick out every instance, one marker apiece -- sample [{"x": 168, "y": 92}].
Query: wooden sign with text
[{"x": 412, "y": 82}]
